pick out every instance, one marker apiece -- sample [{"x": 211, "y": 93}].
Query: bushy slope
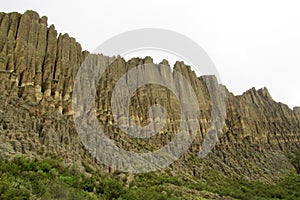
[{"x": 24, "y": 178}]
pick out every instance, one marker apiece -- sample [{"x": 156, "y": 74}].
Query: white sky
[{"x": 252, "y": 43}]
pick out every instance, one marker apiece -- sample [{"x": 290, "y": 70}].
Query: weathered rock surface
[{"x": 37, "y": 71}]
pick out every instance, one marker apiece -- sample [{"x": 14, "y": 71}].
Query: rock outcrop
[{"x": 38, "y": 67}]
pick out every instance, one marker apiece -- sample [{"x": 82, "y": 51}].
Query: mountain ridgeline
[{"x": 38, "y": 67}]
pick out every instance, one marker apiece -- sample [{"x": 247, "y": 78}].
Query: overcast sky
[{"x": 252, "y": 43}]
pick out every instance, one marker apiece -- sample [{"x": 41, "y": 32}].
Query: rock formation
[{"x": 37, "y": 71}]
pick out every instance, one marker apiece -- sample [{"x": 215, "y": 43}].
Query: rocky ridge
[{"x": 37, "y": 71}]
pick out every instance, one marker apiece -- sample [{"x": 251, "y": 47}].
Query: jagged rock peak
[
  {"x": 263, "y": 92},
  {"x": 165, "y": 62},
  {"x": 148, "y": 60},
  {"x": 296, "y": 109}
]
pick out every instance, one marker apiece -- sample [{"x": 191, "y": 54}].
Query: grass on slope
[{"x": 23, "y": 178}]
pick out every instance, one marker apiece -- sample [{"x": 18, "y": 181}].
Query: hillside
[{"x": 259, "y": 141}]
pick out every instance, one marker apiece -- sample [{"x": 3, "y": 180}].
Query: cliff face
[
  {"x": 36, "y": 63},
  {"x": 37, "y": 67},
  {"x": 37, "y": 72}
]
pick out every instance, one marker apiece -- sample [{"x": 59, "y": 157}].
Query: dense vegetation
[{"x": 23, "y": 178}]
